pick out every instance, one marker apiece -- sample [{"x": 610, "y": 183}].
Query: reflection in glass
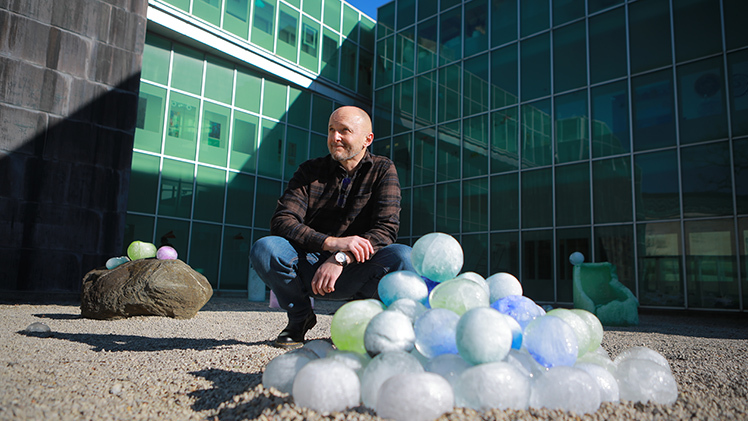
[
  {"x": 611, "y": 190},
  {"x": 573, "y": 194},
  {"x": 656, "y": 185},
  {"x": 405, "y": 65},
  {"x": 649, "y": 34},
  {"x": 570, "y": 57},
  {"x": 205, "y": 250},
  {"x": 569, "y": 241},
  {"x": 287, "y": 31},
  {"x": 615, "y": 244},
  {"x": 271, "y": 149},
  {"x": 475, "y": 205},
  {"x": 706, "y": 179},
  {"x": 214, "y": 135},
  {"x": 427, "y": 45},
  {"x": 537, "y": 149},
  {"x": 423, "y": 210},
  {"x": 234, "y": 264},
  {"x": 404, "y": 102},
  {"x": 660, "y": 268},
  {"x": 711, "y": 264},
  {"x": 608, "y": 46},
  {"x": 504, "y": 254},
  {"x": 535, "y": 16},
  {"x": 383, "y": 113},
  {"x": 175, "y": 198},
  {"x": 572, "y": 130},
  {"x": 738, "y": 75},
  {"x": 697, "y": 28},
  {"x": 209, "y": 194},
  {"x": 537, "y": 198},
  {"x": 244, "y": 142},
  {"x": 190, "y": 64},
  {"x": 143, "y": 174},
  {"x": 448, "y": 208},
  {"x": 504, "y": 140},
  {"x": 701, "y": 101},
  {"x": 536, "y": 67},
  {"x": 654, "y": 114},
  {"x": 476, "y": 27},
  {"x": 181, "y": 128},
  {"x": 401, "y": 147},
  {"x": 385, "y": 61},
  {"x": 240, "y": 195},
  {"x": 475, "y": 247},
  {"x": 537, "y": 265},
  {"x": 475, "y": 85},
  {"x": 448, "y": 152},
  {"x": 567, "y": 10},
  {"x": 426, "y": 99},
  {"x": 475, "y": 146},
  {"x": 450, "y": 38},
  {"x": 424, "y": 157},
  {"x": 450, "y": 93},
  {"x": 504, "y": 84},
  {"x": 503, "y": 21},
  {"x": 330, "y": 47},
  {"x": 740, "y": 161},
  {"x": 610, "y": 120},
  {"x": 505, "y": 201}
]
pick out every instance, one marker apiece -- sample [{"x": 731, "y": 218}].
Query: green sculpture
[{"x": 597, "y": 290}]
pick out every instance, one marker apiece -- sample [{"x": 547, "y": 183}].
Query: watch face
[{"x": 340, "y": 257}]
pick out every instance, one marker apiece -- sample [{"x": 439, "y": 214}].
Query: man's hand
[
  {"x": 326, "y": 276},
  {"x": 360, "y": 248}
]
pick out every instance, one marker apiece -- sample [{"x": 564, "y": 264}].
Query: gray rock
[{"x": 146, "y": 287}]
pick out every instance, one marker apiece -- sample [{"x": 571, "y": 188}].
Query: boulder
[{"x": 145, "y": 287}]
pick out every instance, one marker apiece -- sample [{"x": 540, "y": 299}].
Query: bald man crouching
[{"x": 334, "y": 228}]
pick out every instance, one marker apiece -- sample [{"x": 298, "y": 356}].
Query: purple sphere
[{"x": 166, "y": 253}]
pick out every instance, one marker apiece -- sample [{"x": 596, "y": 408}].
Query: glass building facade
[
  {"x": 527, "y": 129},
  {"x": 530, "y": 129}
]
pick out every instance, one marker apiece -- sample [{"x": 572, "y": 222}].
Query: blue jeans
[{"x": 288, "y": 271}]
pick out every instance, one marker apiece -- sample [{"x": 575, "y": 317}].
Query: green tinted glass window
[
  {"x": 240, "y": 195},
  {"x": 350, "y": 23},
  {"x": 503, "y": 22},
  {"x": 734, "y": 13},
  {"x": 405, "y": 65},
  {"x": 174, "y": 233},
  {"x": 209, "y": 10},
  {"x": 332, "y": 14},
  {"x": 205, "y": 250},
  {"x": 424, "y": 157},
  {"x": 570, "y": 57},
  {"x": 244, "y": 142},
  {"x": 448, "y": 152},
  {"x": 535, "y": 58},
  {"x": 537, "y": 273},
  {"x": 568, "y": 241},
  {"x": 297, "y": 150},
  {"x": 236, "y": 18},
  {"x": 702, "y": 112},
  {"x": 401, "y": 155},
  {"x": 611, "y": 190},
  {"x": 427, "y": 9},
  {"x": 450, "y": 93},
  {"x": 656, "y": 186},
  {"x": 608, "y": 46},
  {"x": 268, "y": 192},
  {"x": 738, "y": 73},
  {"x": 477, "y": 259},
  {"x": 654, "y": 114},
  {"x": 248, "y": 88},
  {"x": 365, "y": 73},
  {"x": 366, "y": 29},
  {"x": 448, "y": 208},
  {"x": 426, "y": 99},
  {"x": 386, "y": 20},
  {"x": 181, "y": 129},
  {"x": 660, "y": 268},
  {"x": 385, "y": 61},
  {"x": 404, "y": 106},
  {"x": 476, "y": 27},
  {"x": 149, "y": 126},
  {"x": 310, "y": 39},
  {"x": 299, "y": 103},
  {"x": 534, "y": 16},
  {"x": 156, "y": 54},
  {"x": 446, "y": 4},
  {"x": 288, "y": 30},
  {"x": 475, "y": 146},
  {"x": 450, "y": 36},
  {"x": 209, "y": 194},
  {"x": 537, "y": 198},
  {"x": 175, "y": 198},
  {"x": 572, "y": 127},
  {"x": 504, "y": 254},
  {"x": 330, "y": 61},
  {"x": 234, "y": 264},
  {"x": 406, "y": 13},
  {"x": 348, "y": 64},
  {"x": 321, "y": 110},
  {"x": 406, "y": 205},
  {"x": 535, "y": 134},
  {"x": 274, "y": 100},
  {"x": 614, "y": 244},
  {"x": 475, "y": 86},
  {"x": 505, "y": 201},
  {"x": 188, "y": 69},
  {"x": 137, "y": 227},
  {"x": 182, "y": 4},
  {"x": 313, "y": 8},
  {"x": 610, "y": 119},
  {"x": 706, "y": 180},
  {"x": 423, "y": 210},
  {"x": 427, "y": 45},
  {"x": 318, "y": 146},
  {"x": 382, "y": 147},
  {"x": 573, "y": 195},
  {"x": 649, "y": 34},
  {"x": 504, "y": 83},
  {"x": 144, "y": 179},
  {"x": 263, "y": 24},
  {"x": 697, "y": 29},
  {"x": 219, "y": 80},
  {"x": 475, "y": 205},
  {"x": 214, "y": 136},
  {"x": 383, "y": 113},
  {"x": 504, "y": 140},
  {"x": 740, "y": 160},
  {"x": 271, "y": 149},
  {"x": 711, "y": 264},
  {"x": 567, "y": 10}
]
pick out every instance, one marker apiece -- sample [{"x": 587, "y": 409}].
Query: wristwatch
[{"x": 341, "y": 258}]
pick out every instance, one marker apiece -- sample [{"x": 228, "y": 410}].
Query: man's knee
[{"x": 399, "y": 255}]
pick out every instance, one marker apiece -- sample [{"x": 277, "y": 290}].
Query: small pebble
[{"x": 116, "y": 389}]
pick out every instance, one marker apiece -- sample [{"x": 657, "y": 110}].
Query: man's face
[{"x": 347, "y": 134}]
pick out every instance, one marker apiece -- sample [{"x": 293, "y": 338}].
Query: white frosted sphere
[
  {"x": 355, "y": 361},
  {"x": 281, "y": 370},
  {"x": 578, "y": 324},
  {"x": 503, "y": 284},
  {"x": 389, "y": 331},
  {"x": 523, "y": 361},
  {"x": 402, "y": 284},
  {"x": 415, "y": 397},
  {"x": 326, "y": 385},
  {"x": 408, "y": 307},
  {"x": 566, "y": 388},
  {"x": 437, "y": 256},
  {"x": 483, "y": 335},
  {"x": 477, "y": 279},
  {"x": 597, "y": 358},
  {"x": 436, "y": 332},
  {"x": 607, "y": 383},
  {"x": 551, "y": 341},
  {"x": 576, "y": 258},
  {"x": 349, "y": 324},
  {"x": 645, "y": 380},
  {"x": 497, "y": 385},
  {"x": 320, "y": 347},
  {"x": 449, "y": 366},
  {"x": 458, "y": 295},
  {"x": 593, "y": 323},
  {"x": 642, "y": 353},
  {"x": 381, "y": 368}
]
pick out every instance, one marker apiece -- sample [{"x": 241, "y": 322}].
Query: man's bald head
[{"x": 357, "y": 113}]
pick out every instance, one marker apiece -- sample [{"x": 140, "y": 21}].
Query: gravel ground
[{"x": 210, "y": 367}]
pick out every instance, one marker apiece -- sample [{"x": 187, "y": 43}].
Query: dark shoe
[{"x": 293, "y": 335}]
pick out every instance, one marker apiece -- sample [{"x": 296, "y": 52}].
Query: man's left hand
[{"x": 326, "y": 276}]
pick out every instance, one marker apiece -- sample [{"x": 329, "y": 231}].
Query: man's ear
[{"x": 369, "y": 139}]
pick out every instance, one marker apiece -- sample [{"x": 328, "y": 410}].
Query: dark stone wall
[{"x": 69, "y": 77}]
